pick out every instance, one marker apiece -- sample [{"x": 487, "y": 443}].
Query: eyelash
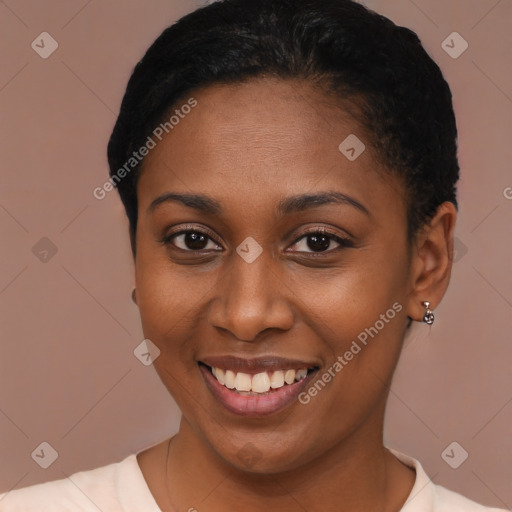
[{"x": 344, "y": 242}]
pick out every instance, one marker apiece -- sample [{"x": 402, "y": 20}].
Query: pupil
[
  {"x": 195, "y": 240},
  {"x": 319, "y": 242}
]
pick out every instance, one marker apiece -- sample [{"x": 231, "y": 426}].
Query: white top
[{"x": 121, "y": 487}]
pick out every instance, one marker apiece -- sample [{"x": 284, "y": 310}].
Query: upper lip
[{"x": 256, "y": 364}]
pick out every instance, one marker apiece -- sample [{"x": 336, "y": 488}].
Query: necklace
[{"x": 166, "y": 477}]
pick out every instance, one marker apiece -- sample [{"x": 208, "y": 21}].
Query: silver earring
[{"x": 428, "y": 318}]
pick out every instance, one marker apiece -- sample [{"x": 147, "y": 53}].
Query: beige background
[{"x": 68, "y": 373}]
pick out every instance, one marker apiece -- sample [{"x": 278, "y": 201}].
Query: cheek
[
  {"x": 359, "y": 315},
  {"x": 345, "y": 301},
  {"x": 167, "y": 300}
]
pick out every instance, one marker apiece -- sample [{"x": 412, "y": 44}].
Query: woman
[{"x": 289, "y": 170}]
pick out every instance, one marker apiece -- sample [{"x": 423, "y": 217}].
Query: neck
[{"x": 356, "y": 475}]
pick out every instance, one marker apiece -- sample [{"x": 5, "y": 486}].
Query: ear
[{"x": 431, "y": 266}]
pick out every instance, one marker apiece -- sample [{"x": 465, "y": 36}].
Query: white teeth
[
  {"x": 221, "y": 375},
  {"x": 259, "y": 383},
  {"x": 243, "y": 382},
  {"x": 300, "y": 374},
  {"x": 289, "y": 376},
  {"x": 229, "y": 379},
  {"x": 277, "y": 379}
]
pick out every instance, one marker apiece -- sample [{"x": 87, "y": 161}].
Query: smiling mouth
[{"x": 258, "y": 384}]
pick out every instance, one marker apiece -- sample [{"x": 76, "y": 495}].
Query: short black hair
[{"x": 403, "y": 99}]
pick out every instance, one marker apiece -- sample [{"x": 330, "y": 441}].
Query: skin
[{"x": 249, "y": 146}]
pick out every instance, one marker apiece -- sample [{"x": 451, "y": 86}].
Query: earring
[
  {"x": 134, "y": 295},
  {"x": 429, "y": 314}
]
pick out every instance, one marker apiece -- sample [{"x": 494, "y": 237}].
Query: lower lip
[{"x": 255, "y": 405}]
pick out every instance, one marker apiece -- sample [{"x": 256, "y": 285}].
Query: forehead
[{"x": 261, "y": 140}]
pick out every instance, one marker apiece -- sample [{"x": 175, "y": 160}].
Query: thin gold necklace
[{"x": 166, "y": 477}]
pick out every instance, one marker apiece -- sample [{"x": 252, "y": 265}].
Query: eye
[
  {"x": 319, "y": 240},
  {"x": 191, "y": 239}
]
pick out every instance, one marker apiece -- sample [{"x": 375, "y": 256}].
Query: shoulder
[
  {"x": 425, "y": 496},
  {"x": 449, "y": 501},
  {"x": 83, "y": 491}
]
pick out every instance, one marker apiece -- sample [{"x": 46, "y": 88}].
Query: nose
[{"x": 251, "y": 298}]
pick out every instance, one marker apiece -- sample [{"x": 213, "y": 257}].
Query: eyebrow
[{"x": 286, "y": 206}]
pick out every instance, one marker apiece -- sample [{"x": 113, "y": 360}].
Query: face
[{"x": 258, "y": 283}]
